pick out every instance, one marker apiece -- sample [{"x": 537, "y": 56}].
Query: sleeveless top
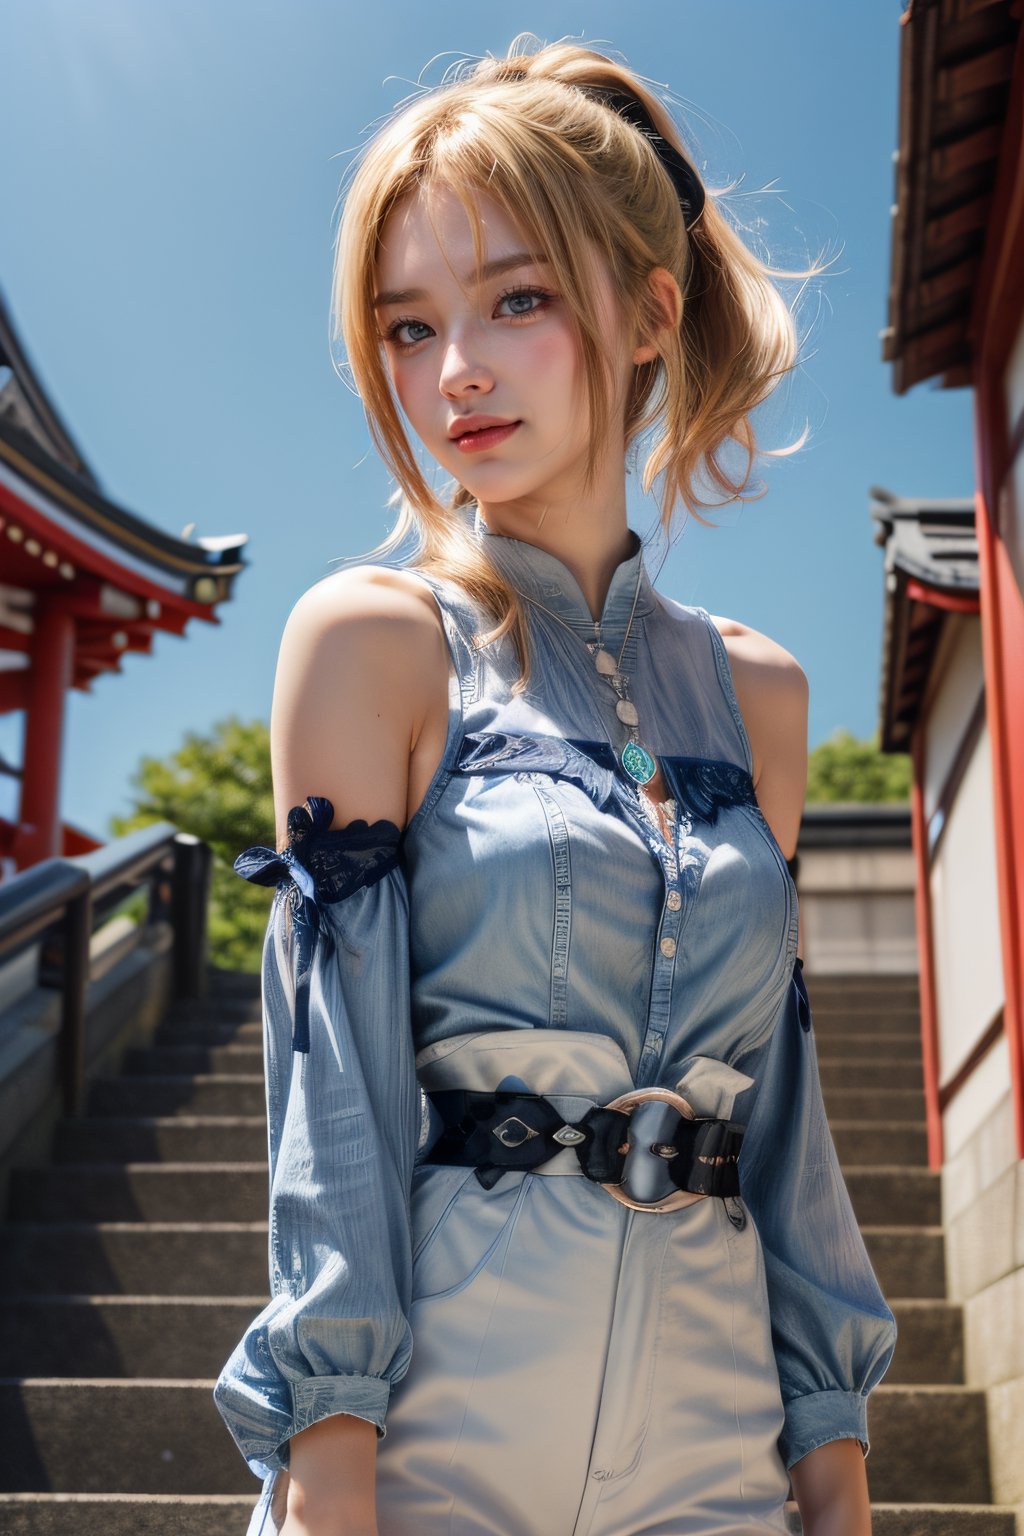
[{"x": 532, "y": 889}]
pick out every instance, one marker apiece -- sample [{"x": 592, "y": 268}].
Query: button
[
  {"x": 674, "y": 901},
  {"x": 668, "y": 948}
]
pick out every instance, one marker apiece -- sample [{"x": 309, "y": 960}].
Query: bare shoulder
[
  {"x": 760, "y": 659},
  {"x": 771, "y": 689},
  {"x": 359, "y": 598},
  {"x": 362, "y": 657}
]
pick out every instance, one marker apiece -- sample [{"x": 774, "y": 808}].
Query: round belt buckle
[{"x": 626, "y": 1103}]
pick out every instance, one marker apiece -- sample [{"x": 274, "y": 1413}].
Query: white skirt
[{"x": 579, "y": 1369}]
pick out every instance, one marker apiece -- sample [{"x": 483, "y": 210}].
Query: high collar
[{"x": 549, "y": 584}]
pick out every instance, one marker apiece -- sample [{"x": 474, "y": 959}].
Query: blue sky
[{"x": 169, "y": 194}]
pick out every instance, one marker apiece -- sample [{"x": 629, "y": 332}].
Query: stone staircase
[{"x": 131, "y": 1266}]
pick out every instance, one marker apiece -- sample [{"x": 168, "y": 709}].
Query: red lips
[
  {"x": 475, "y": 434},
  {"x": 463, "y": 424}
]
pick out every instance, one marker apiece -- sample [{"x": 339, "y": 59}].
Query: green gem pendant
[{"x": 638, "y": 762}]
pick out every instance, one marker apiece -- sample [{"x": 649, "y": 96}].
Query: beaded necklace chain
[{"x": 636, "y": 759}]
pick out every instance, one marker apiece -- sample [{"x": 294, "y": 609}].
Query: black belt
[{"x": 504, "y": 1131}]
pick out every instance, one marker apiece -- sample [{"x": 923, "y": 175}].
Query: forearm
[
  {"x": 830, "y": 1485},
  {"x": 329, "y": 1487}
]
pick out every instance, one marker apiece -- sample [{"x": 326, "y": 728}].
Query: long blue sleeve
[
  {"x": 832, "y": 1330},
  {"x": 343, "y": 1113}
]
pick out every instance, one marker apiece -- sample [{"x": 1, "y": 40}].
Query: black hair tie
[{"x": 689, "y": 188}]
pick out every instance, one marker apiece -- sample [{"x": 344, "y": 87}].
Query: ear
[{"x": 667, "y": 305}]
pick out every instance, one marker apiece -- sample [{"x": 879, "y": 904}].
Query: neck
[{"x": 590, "y": 543}]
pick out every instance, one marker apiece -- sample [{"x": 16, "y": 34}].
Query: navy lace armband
[{"x": 322, "y": 866}]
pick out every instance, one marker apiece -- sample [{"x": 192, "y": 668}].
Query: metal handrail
[{"x": 59, "y": 898}]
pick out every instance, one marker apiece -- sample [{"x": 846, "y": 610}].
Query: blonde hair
[{"x": 573, "y": 175}]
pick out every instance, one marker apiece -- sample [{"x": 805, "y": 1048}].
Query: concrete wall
[
  {"x": 983, "y": 1213},
  {"x": 855, "y": 902},
  {"x": 982, "y": 1177}
]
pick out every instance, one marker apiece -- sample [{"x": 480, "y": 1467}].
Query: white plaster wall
[
  {"x": 965, "y": 918},
  {"x": 958, "y": 683},
  {"x": 976, "y": 1102}
]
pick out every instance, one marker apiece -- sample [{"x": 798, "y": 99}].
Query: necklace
[{"x": 636, "y": 759}]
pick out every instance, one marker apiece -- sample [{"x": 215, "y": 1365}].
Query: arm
[
  {"x": 771, "y": 690},
  {"x": 306, "y": 1392},
  {"x": 823, "y": 1286},
  {"x": 832, "y": 1332},
  {"x": 831, "y": 1489}
]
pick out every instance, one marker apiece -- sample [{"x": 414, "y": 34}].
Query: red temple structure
[
  {"x": 953, "y": 663},
  {"x": 82, "y": 581}
]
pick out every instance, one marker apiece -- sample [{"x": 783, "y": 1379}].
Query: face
[{"x": 486, "y": 367}]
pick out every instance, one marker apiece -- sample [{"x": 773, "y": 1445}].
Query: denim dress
[{"x": 539, "y": 1359}]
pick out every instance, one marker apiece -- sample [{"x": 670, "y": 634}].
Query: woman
[{"x": 559, "y": 1243}]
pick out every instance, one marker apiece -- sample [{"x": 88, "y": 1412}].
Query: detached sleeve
[
  {"x": 343, "y": 1113},
  {"x": 832, "y": 1330}
]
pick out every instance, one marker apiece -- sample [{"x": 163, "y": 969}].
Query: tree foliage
[
  {"x": 218, "y": 788},
  {"x": 845, "y": 768}
]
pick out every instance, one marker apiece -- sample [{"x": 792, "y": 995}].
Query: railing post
[
  {"x": 77, "y": 927},
  {"x": 193, "y": 866}
]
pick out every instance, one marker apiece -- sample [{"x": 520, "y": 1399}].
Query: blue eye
[
  {"x": 394, "y": 330},
  {"x": 524, "y": 301}
]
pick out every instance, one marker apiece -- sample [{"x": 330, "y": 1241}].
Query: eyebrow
[{"x": 489, "y": 270}]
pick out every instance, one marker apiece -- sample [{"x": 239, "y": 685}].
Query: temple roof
[
  {"x": 956, "y": 65},
  {"x": 63, "y": 540},
  {"x": 931, "y": 570}
]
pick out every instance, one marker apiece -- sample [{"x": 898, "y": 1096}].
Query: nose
[{"x": 463, "y": 372}]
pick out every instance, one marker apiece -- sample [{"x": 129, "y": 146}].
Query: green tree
[
  {"x": 218, "y": 788},
  {"x": 845, "y": 768}
]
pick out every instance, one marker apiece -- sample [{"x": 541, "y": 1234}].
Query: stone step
[
  {"x": 108, "y": 1336},
  {"x": 120, "y": 1192},
  {"x": 173, "y": 1138},
  {"x": 868, "y": 1143},
  {"x": 859, "y": 985},
  {"x": 207, "y": 1012},
  {"x": 929, "y": 1345},
  {"x": 207, "y": 1094},
  {"x": 128, "y": 1514},
  {"x": 135, "y": 1258},
  {"x": 220, "y": 983},
  {"x": 871, "y": 1045},
  {"x": 909, "y": 1261},
  {"x": 942, "y": 1520},
  {"x": 63, "y": 1435},
  {"x": 169, "y": 1514},
  {"x": 904, "y": 1197},
  {"x": 928, "y": 1443},
  {"x": 844, "y": 1020},
  {"x": 247, "y": 1033},
  {"x": 928, "y": 1520},
  {"x": 857, "y": 1073},
  {"x": 186, "y": 1059},
  {"x": 893, "y": 1105}
]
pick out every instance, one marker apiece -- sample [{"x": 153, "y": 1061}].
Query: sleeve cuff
[
  {"x": 820, "y": 1417},
  {"x": 317, "y": 1397},
  {"x": 263, "y": 1427}
]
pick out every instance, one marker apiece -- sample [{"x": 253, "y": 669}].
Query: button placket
[{"x": 664, "y": 953}]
